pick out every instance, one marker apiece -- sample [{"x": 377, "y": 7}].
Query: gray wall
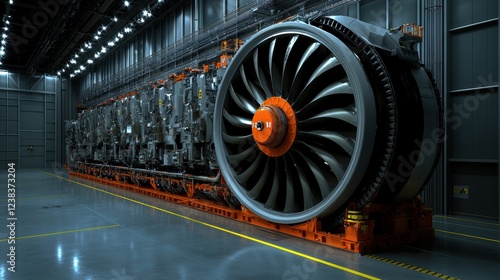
[
  {"x": 28, "y": 123},
  {"x": 472, "y": 100}
]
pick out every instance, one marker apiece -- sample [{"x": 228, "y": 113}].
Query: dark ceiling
[{"x": 44, "y": 34}]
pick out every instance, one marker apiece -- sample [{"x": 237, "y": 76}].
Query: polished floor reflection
[{"x": 69, "y": 228}]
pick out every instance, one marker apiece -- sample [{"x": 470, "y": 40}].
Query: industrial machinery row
[{"x": 311, "y": 120}]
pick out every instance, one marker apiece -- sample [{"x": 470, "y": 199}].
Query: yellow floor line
[
  {"x": 467, "y": 235},
  {"x": 345, "y": 269},
  {"x": 63, "y": 232},
  {"x": 467, "y": 220}
]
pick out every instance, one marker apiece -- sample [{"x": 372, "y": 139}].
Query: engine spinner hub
[{"x": 274, "y": 126}]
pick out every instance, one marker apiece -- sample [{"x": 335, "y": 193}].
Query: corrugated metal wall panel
[{"x": 473, "y": 185}]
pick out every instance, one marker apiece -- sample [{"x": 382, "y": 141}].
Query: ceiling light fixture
[{"x": 138, "y": 19}]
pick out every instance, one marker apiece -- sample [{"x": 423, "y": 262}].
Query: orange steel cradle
[{"x": 375, "y": 227}]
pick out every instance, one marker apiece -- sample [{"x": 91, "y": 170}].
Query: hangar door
[{"x": 27, "y": 121}]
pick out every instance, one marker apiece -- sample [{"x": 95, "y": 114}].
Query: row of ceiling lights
[
  {"x": 102, "y": 48},
  {"x": 5, "y": 31}
]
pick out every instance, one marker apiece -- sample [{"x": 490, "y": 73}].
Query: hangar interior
[{"x": 62, "y": 58}]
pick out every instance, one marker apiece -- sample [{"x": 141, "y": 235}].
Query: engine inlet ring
[{"x": 316, "y": 167}]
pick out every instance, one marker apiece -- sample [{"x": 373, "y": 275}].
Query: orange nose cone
[
  {"x": 267, "y": 126},
  {"x": 274, "y": 126}
]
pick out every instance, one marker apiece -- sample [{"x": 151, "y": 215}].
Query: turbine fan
[
  {"x": 294, "y": 126},
  {"x": 313, "y": 118}
]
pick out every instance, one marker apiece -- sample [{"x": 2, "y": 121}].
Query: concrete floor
[{"x": 70, "y": 228}]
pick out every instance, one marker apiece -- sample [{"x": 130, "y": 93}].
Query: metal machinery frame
[{"x": 318, "y": 128}]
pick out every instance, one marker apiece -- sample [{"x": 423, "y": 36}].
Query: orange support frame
[{"x": 400, "y": 224}]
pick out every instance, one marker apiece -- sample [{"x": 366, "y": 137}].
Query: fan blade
[
  {"x": 310, "y": 50},
  {"x": 236, "y": 120},
  {"x": 344, "y": 142},
  {"x": 255, "y": 191},
  {"x": 254, "y": 92},
  {"x": 306, "y": 191},
  {"x": 248, "y": 154},
  {"x": 271, "y": 200},
  {"x": 339, "y": 87},
  {"x": 348, "y": 116},
  {"x": 335, "y": 166},
  {"x": 286, "y": 77},
  {"x": 290, "y": 205},
  {"x": 336, "y": 88},
  {"x": 241, "y": 102},
  {"x": 309, "y": 59},
  {"x": 245, "y": 175},
  {"x": 322, "y": 182},
  {"x": 261, "y": 76},
  {"x": 273, "y": 71},
  {"x": 325, "y": 66},
  {"x": 237, "y": 139}
]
